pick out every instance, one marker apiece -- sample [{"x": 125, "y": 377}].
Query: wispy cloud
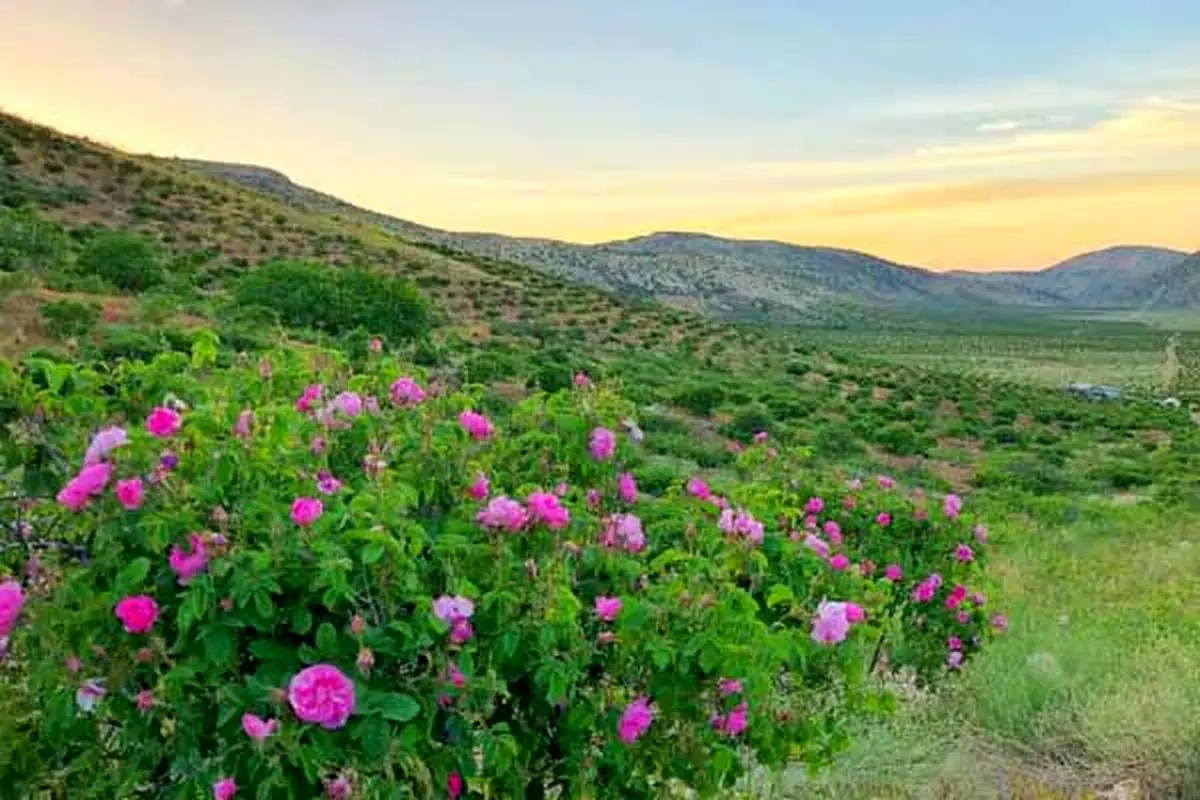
[{"x": 999, "y": 126}]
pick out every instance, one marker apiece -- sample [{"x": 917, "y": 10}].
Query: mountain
[
  {"x": 769, "y": 280},
  {"x": 1125, "y": 276}
]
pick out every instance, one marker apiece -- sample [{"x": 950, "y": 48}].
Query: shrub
[
  {"x": 125, "y": 260},
  {"x": 67, "y": 318},
  {"x": 280, "y": 554},
  {"x": 337, "y": 301}
]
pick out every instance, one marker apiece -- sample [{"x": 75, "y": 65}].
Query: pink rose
[
  {"x": 224, "y": 789},
  {"x": 306, "y": 511},
  {"x": 130, "y": 493},
  {"x": 163, "y": 422},
  {"x": 476, "y": 425},
  {"x": 323, "y": 695},
  {"x": 190, "y": 564},
  {"x": 607, "y": 608},
  {"x": 257, "y": 728},
  {"x": 137, "y": 613},
  {"x": 12, "y": 599}
]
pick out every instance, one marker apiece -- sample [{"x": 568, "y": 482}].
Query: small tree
[{"x": 125, "y": 260}]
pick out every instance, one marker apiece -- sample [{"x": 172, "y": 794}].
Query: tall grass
[{"x": 1097, "y": 681}]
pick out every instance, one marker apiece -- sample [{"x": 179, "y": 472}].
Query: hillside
[
  {"x": 230, "y": 227},
  {"x": 770, "y": 280}
]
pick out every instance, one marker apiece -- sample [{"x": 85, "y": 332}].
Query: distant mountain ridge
[{"x": 779, "y": 281}]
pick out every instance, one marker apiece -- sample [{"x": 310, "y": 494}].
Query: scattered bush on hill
[{"x": 337, "y": 300}]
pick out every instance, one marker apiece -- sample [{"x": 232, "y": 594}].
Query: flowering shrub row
[{"x": 300, "y": 580}]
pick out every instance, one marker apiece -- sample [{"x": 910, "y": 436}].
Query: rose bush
[{"x": 361, "y": 585}]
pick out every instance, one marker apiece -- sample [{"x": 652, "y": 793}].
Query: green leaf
[
  {"x": 391, "y": 705},
  {"x": 327, "y": 639},
  {"x": 218, "y": 646},
  {"x": 302, "y": 620},
  {"x": 372, "y": 552},
  {"x": 131, "y": 577},
  {"x": 779, "y": 593}
]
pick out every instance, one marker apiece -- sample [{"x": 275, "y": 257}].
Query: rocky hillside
[{"x": 771, "y": 280}]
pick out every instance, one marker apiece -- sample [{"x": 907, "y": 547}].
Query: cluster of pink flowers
[
  {"x": 833, "y": 621},
  {"x": 624, "y": 531},
  {"x": 734, "y": 723},
  {"x": 476, "y": 425},
  {"x": 503, "y": 513},
  {"x": 323, "y": 695},
  {"x": 956, "y": 597},
  {"x": 89, "y": 483},
  {"x": 456, "y": 611},
  {"x": 547, "y": 509},
  {"x": 964, "y": 553},
  {"x": 406, "y": 392},
  {"x": 741, "y": 523},
  {"x": 582, "y": 381},
  {"x": 310, "y": 397},
  {"x": 224, "y": 789},
  {"x": 924, "y": 591},
  {"x": 348, "y": 403},
  {"x": 635, "y": 720},
  {"x": 893, "y": 573},
  {"x": 603, "y": 444},
  {"x": 698, "y": 489}
]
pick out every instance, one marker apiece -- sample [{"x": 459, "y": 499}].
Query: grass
[{"x": 1095, "y": 683}]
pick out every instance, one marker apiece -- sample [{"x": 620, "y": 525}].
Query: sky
[{"x": 970, "y": 134}]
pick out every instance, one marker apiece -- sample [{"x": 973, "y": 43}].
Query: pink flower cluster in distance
[{"x": 741, "y": 523}]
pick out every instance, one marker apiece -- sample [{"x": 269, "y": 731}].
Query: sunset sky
[{"x": 978, "y": 134}]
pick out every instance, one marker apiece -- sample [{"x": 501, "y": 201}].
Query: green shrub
[
  {"x": 67, "y": 318},
  {"x": 310, "y": 295},
  {"x": 523, "y": 692},
  {"x": 127, "y": 261}
]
